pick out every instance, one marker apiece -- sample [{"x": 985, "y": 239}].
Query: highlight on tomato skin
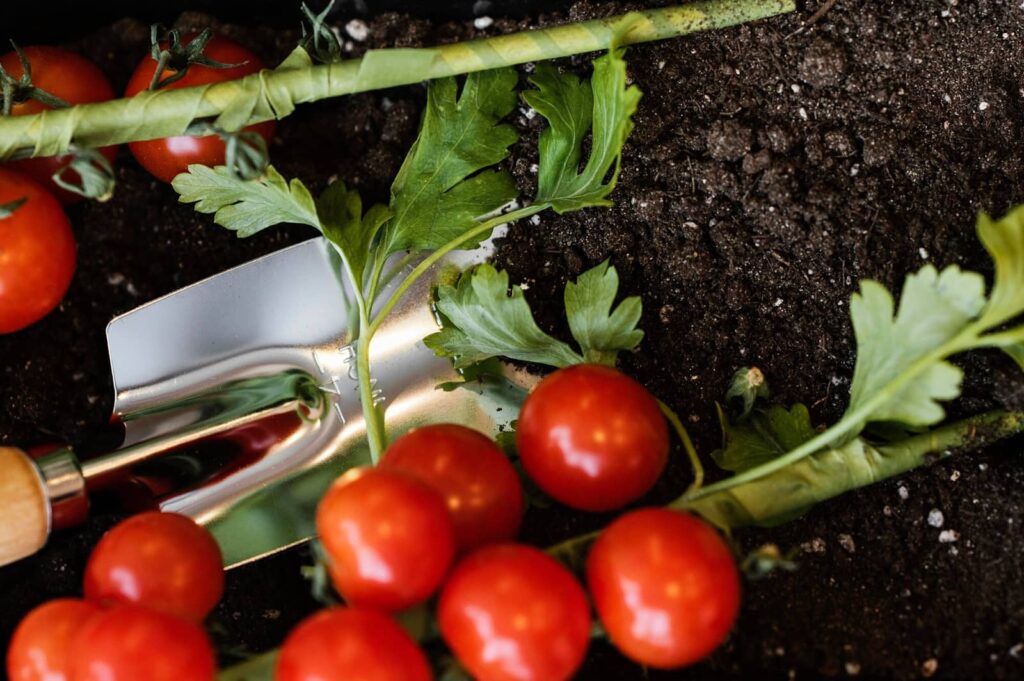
[
  {"x": 39, "y": 650},
  {"x": 592, "y": 437},
  {"x": 68, "y": 76},
  {"x": 388, "y": 536},
  {"x": 510, "y": 612},
  {"x": 132, "y": 643},
  {"x": 37, "y": 252},
  {"x": 665, "y": 587},
  {"x": 480, "y": 486},
  {"x": 341, "y": 643},
  {"x": 168, "y": 157},
  {"x": 163, "y": 561}
]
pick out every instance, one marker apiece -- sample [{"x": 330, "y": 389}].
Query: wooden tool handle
[{"x": 24, "y": 506}]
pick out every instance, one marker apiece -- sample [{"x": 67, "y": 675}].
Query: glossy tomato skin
[
  {"x": 39, "y": 649},
  {"x": 479, "y": 485},
  {"x": 37, "y": 253},
  {"x": 71, "y": 77},
  {"x": 592, "y": 438},
  {"x": 665, "y": 587},
  {"x": 341, "y": 644},
  {"x": 510, "y": 612},
  {"x": 168, "y": 157},
  {"x": 131, "y": 643},
  {"x": 163, "y": 561},
  {"x": 389, "y": 538}
]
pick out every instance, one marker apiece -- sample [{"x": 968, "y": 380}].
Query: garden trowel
[{"x": 239, "y": 402}]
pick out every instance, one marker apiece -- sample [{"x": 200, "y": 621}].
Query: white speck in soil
[
  {"x": 954, "y": 551},
  {"x": 887, "y": 510},
  {"x": 528, "y": 112},
  {"x": 358, "y": 29},
  {"x": 271, "y": 614},
  {"x": 777, "y": 303},
  {"x": 935, "y": 518},
  {"x": 954, "y": 476},
  {"x": 929, "y": 667},
  {"x": 795, "y": 88},
  {"x": 480, "y": 23},
  {"x": 982, "y": 467},
  {"x": 948, "y": 536},
  {"x": 1017, "y": 651},
  {"x": 780, "y": 651},
  {"x": 535, "y": 220},
  {"x": 982, "y": 106},
  {"x": 923, "y": 253},
  {"x": 846, "y": 541},
  {"x": 534, "y": 168},
  {"x": 903, "y": 492},
  {"x": 803, "y": 113},
  {"x": 853, "y": 668},
  {"x": 115, "y": 279}
]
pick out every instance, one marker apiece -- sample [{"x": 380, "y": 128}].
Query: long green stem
[
  {"x": 691, "y": 451},
  {"x": 275, "y": 94}
]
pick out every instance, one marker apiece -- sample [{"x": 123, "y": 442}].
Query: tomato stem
[
  {"x": 178, "y": 57},
  {"x": 275, "y": 93},
  {"x": 691, "y": 451}
]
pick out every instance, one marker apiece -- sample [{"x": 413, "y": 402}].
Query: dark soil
[{"x": 769, "y": 171}]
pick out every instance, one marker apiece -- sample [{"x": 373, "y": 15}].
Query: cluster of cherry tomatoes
[
  {"x": 438, "y": 515},
  {"x": 37, "y": 247}
]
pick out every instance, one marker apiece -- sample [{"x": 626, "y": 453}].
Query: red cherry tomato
[
  {"x": 342, "y": 644},
  {"x": 592, "y": 437},
  {"x": 66, "y": 75},
  {"x": 664, "y": 585},
  {"x": 162, "y": 561},
  {"x": 37, "y": 253},
  {"x": 511, "y": 612},
  {"x": 130, "y": 643},
  {"x": 475, "y": 478},
  {"x": 166, "y": 158},
  {"x": 39, "y": 647},
  {"x": 389, "y": 538}
]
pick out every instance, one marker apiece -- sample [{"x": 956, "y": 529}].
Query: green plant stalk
[
  {"x": 275, "y": 93},
  {"x": 849, "y": 425},
  {"x": 885, "y": 461}
]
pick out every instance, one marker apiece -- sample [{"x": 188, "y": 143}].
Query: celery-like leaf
[
  {"x": 343, "y": 223},
  {"x": 762, "y": 436},
  {"x": 601, "y": 331},
  {"x": 604, "y": 108},
  {"x": 1004, "y": 240},
  {"x": 935, "y": 308},
  {"x": 246, "y": 206},
  {"x": 444, "y": 187},
  {"x": 484, "y": 320}
]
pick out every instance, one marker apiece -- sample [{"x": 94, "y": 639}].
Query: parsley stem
[
  {"x": 483, "y": 228},
  {"x": 275, "y": 93},
  {"x": 691, "y": 451}
]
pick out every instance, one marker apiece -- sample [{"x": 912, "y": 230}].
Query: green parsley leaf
[
  {"x": 604, "y": 108},
  {"x": 764, "y": 435},
  {"x": 1004, "y": 240},
  {"x": 935, "y": 308},
  {"x": 344, "y": 224},
  {"x": 246, "y": 206},
  {"x": 442, "y": 188},
  {"x": 602, "y": 332},
  {"x": 484, "y": 320}
]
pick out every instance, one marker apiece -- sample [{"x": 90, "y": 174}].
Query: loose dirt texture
[{"x": 769, "y": 171}]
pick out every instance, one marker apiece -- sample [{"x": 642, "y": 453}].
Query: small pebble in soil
[
  {"x": 853, "y": 668},
  {"x": 1017, "y": 651},
  {"x": 816, "y": 545},
  {"x": 948, "y": 536},
  {"x": 954, "y": 476},
  {"x": 358, "y": 29},
  {"x": 903, "y": 492},
  {"x": 935, "y": 518},
  {"x": 846, "y": 541},
  {"x": 929, "y": 667},
  {"x": 480, "y": 23}
]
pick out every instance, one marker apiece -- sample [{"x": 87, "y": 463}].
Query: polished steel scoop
[{"x": 240, "y": 405}]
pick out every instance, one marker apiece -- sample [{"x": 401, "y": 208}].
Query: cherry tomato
[
  {"x": 131, "y": 643},
  {"x": 389, "y": 538},
  {"x": 37, "y": 253},
  {"x": 39, "y": 647},
  {"x": 475, "y": 478},
  {"x": 163, "y": 561},
  {"x": 592, "y": 437},
  {"x": 68, "y": 76},
  {"x": 511, "y": 612},
  {"x": 664, "y": 585},
  {"x": 166, "y": 158},
  {"x": 341, "y": 644}
]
